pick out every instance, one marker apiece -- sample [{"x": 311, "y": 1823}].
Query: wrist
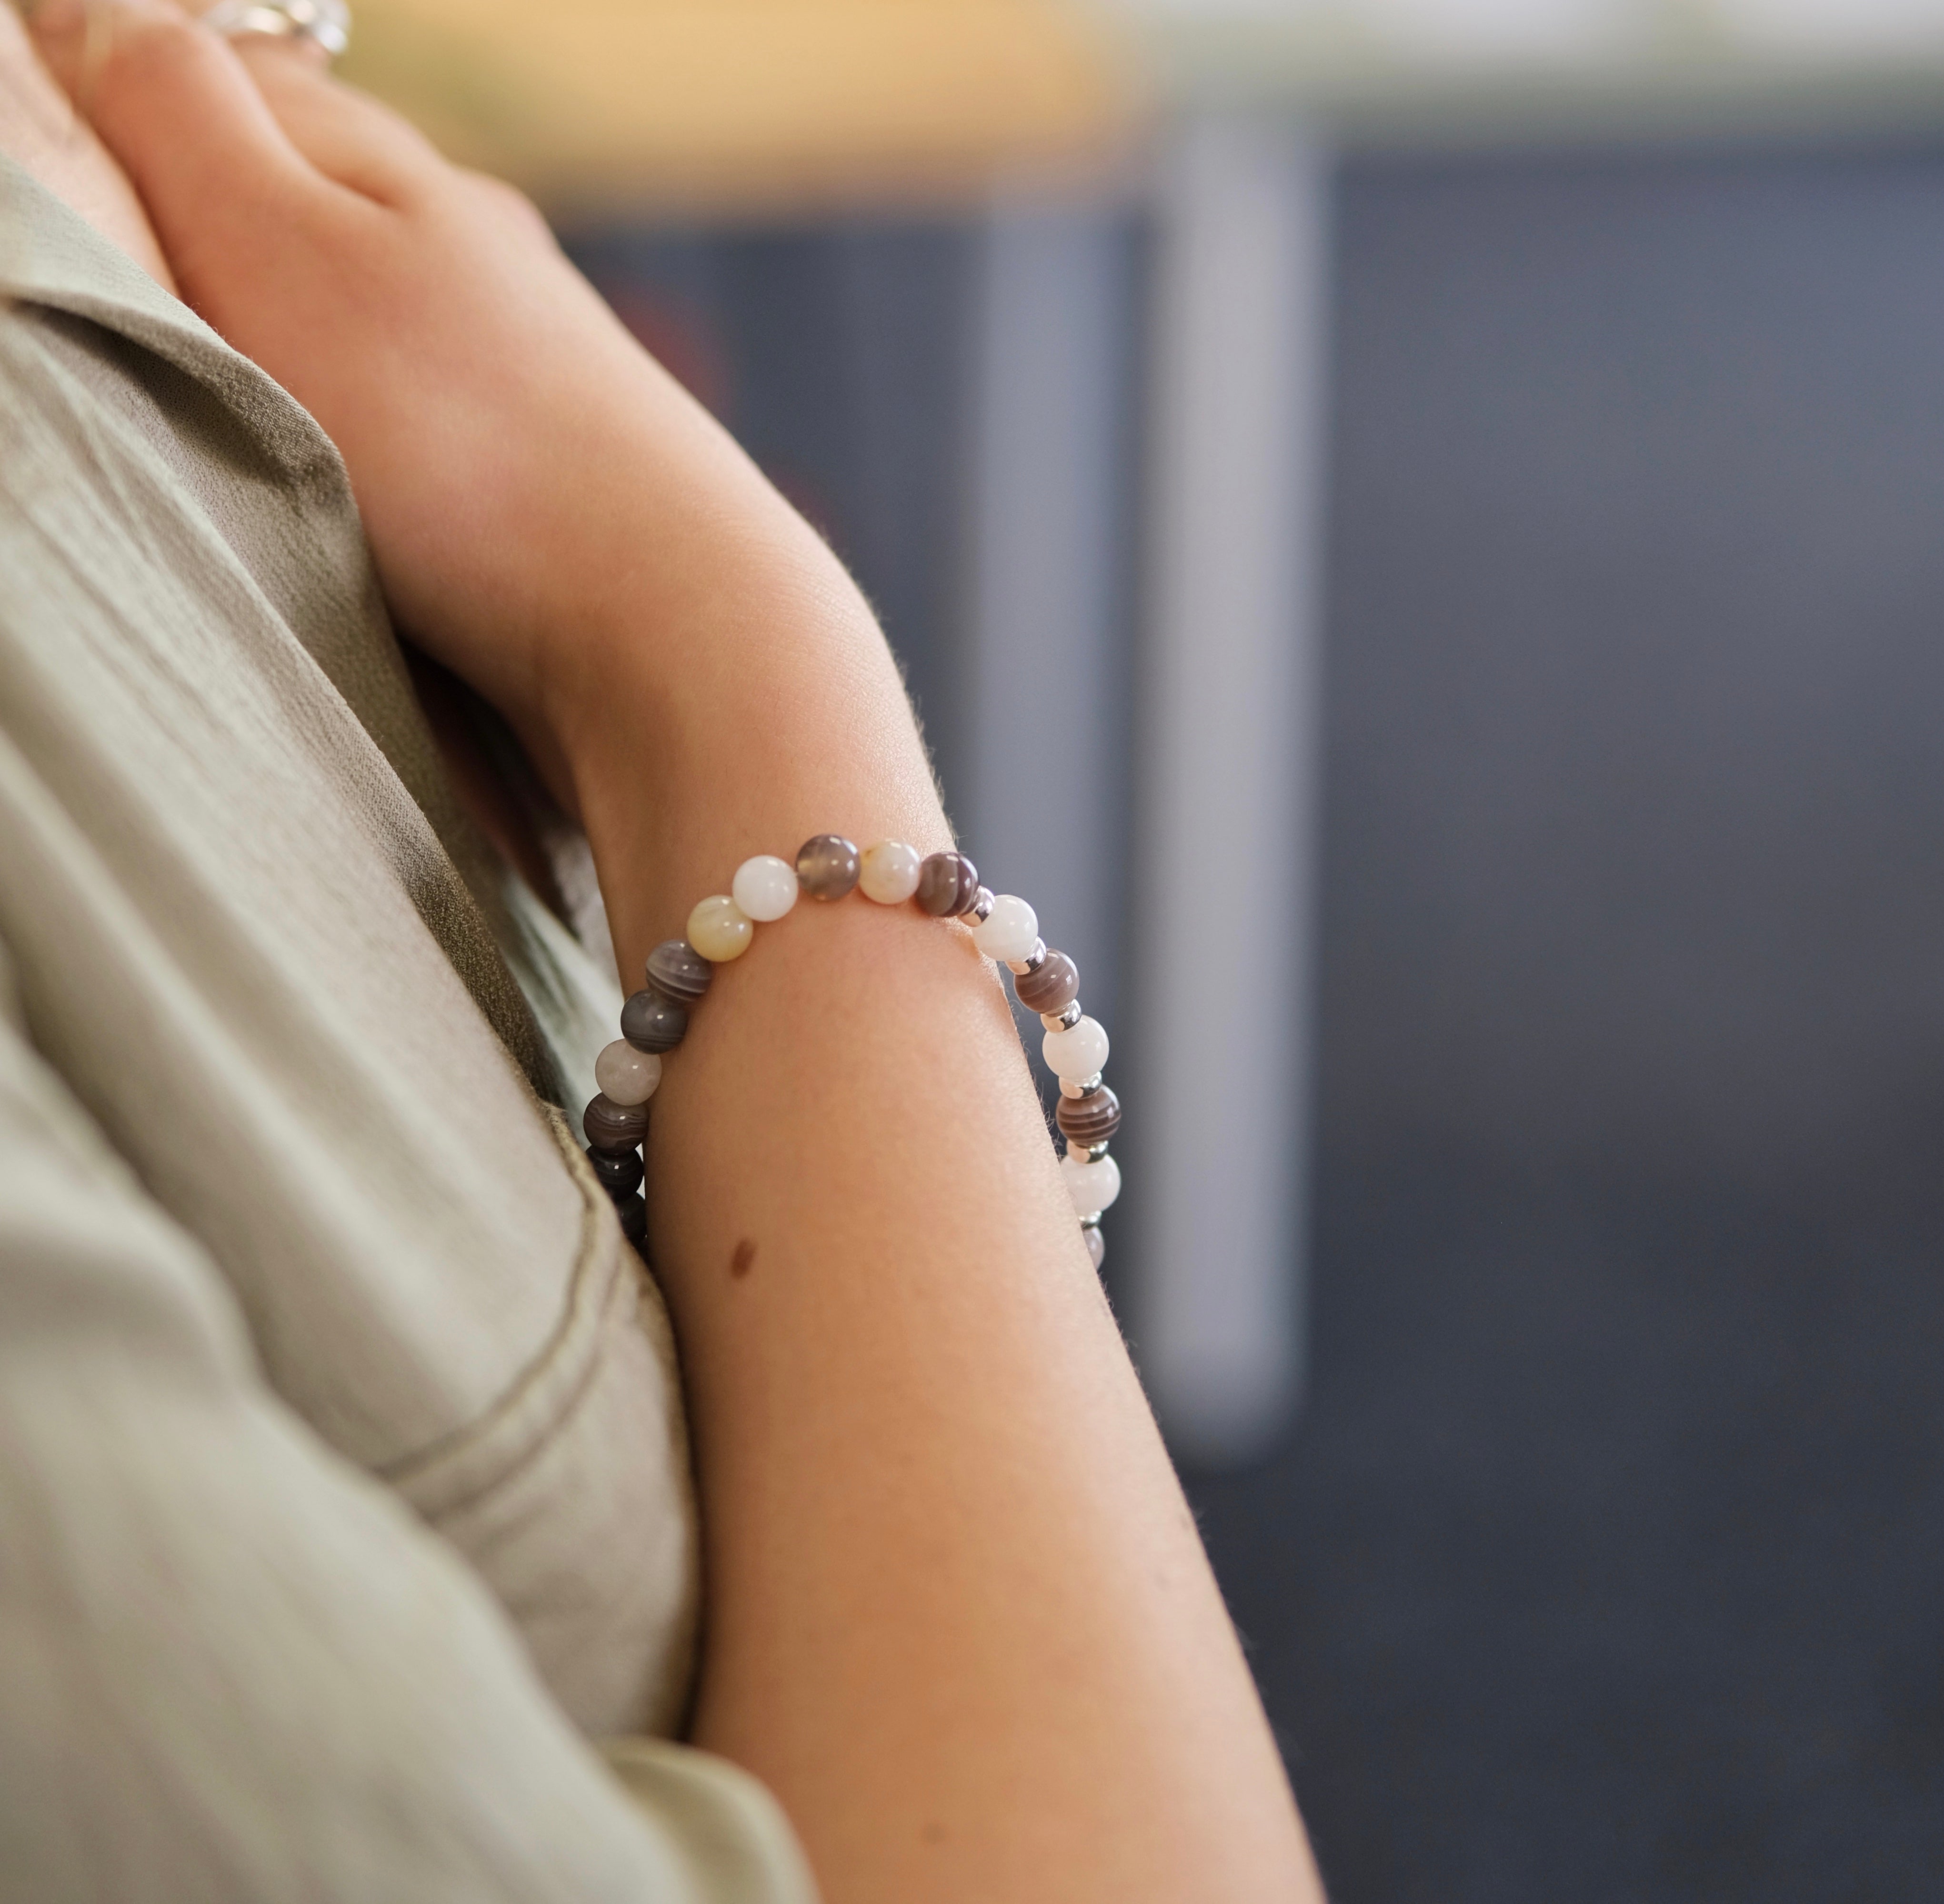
[
  {"x": 610, "y": 529},
  {"x": 759, "y": 708}
]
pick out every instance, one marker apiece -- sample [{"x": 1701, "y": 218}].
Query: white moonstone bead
[
  {"x": 625, "y": 1074},
  {"x": 719, "y": 929},
  {"x": 764, "y": 887},
  {"x": 889, "y": 872},
  {"x": 1092, "y": 1186},
  {"x": 1011, "y": 930},
  {"x": 1077, "y": 1052}
]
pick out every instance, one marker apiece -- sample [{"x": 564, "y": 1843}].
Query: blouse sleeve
[{"x": 232, "y": 1666}]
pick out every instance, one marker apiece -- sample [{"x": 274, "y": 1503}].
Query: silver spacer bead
[
  {"x": 1080, "y": 1086},
  {"x": 981, "y": 908},
  {"x": 1096, "y": 1152},
  {"x": 1064, "y": 1019},
  {"x": 1092, "y": 1222},
  {"x": 1023, "y": 967}
]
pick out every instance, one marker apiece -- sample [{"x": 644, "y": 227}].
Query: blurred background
[{"x": 1416, "y": 528}]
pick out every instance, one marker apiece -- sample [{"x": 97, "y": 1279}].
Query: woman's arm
[{"x": 957, "y": 1615}]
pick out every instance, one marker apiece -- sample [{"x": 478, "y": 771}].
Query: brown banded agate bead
[
  {"x": 650, "y": 1023},
  {"x": 679, "y": 972},
  {"x": 619, "y": 1170},
  {"x": 1090, "y": 1120},
  {"x": 610, "y": 1126},
  {"x": 948, "y": 883},
  {"x": 1052, "y": 988},
  {"x": 827, "y": 867}
]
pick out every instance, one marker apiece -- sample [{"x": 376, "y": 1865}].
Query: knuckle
[
  {"x": 156, "y": 45},
  {"x": 506, "y": 202},
  {"x": 145, "y": 73}
]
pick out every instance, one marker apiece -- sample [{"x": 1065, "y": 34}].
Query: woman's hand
[
  {"x": 537, "y": 491},
  {"x": 553, "y": 517}
]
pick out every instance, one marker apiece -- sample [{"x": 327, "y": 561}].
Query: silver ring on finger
[{"x": 326, "y": 22}]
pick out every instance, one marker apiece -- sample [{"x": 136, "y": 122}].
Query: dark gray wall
[
  {"x": 839, "y": 354},
  {"x": 1635, "y": 847},
  {"x": 1605, "y": 1565}
]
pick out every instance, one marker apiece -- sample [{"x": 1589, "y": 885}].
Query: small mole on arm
[
  {"x": 745, "y": 1254},
  {"x": 935, "y": 1833}
]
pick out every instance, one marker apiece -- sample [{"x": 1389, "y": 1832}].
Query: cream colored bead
[
  {"x": 720, "y": 930},
  {"x": 889, "y": 874},
  {"x": 1009, "y": 930},
  {"x": 764, "y": 887},
  {"x": 1077, "y": 1052},
  {"x": 625, "y": 1074},
  {"x": 1092, "y": 1186}
]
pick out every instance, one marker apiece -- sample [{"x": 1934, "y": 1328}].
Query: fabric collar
[{"x": 50, "y": 256}]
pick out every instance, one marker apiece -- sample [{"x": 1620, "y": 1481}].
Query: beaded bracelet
[{"x": 946, "y": 886}]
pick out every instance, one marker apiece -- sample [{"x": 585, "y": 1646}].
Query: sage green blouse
[{"x": 343, "y": 1486}]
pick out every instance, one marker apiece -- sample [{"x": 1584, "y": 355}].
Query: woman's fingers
[
  {"x": 171, "y": 101},
  {"x": 296, "y": 213},
  {"x": 109, "y": 52},
  {"x": 346, "y": 135}
]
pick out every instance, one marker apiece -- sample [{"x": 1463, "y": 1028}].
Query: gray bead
[
  {"x": 1097, "y": 1243},
  {"x": 614, "y": 1127},
  {"x": 1089, "y": 1121},
  {"x": 1052, "y": 988},
  {"x": 619, "y": 1171},
  {"x": 948, "y": 883},
  {"x": 650, "y": 1023},
  {"x": 679, "y": 972},
  {"x": 827, "y": 867}
]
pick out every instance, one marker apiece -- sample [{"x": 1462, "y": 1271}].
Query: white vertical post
[
  {"x": 1226, "y": 857},
  {"x": 1040, "y": 817}
]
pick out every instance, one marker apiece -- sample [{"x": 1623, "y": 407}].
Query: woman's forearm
[{"x": 957, "y": 1615}]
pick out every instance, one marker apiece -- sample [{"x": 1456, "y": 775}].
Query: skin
[
  {"x": 40, "y": 129},
  {"x": 959, "y": 1618}
]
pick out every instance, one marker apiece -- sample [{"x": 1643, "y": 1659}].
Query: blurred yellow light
[{"x": 639, "y": 106}]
